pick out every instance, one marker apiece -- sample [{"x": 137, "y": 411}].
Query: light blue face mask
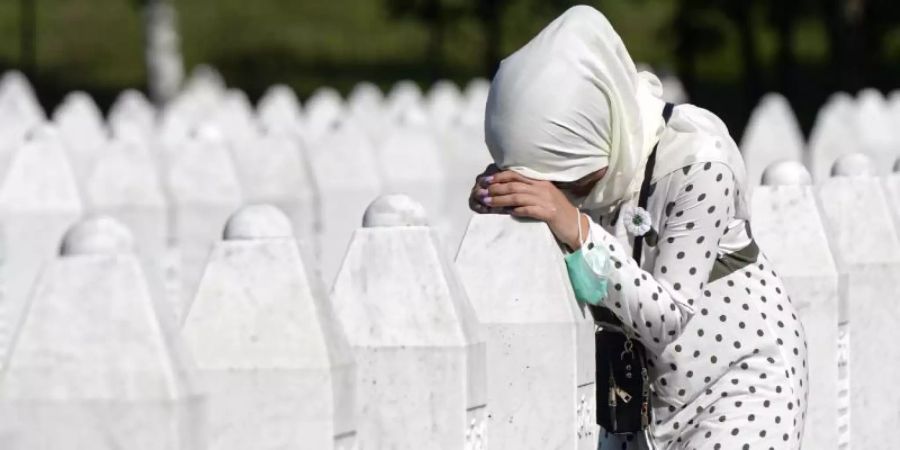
[{"x": 588, "y": 269}]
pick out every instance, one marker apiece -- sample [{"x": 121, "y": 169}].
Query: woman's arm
[{"x": 658, "y": 305}]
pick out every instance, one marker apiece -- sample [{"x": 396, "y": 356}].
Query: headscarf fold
[{"x": 571, "y": 102}]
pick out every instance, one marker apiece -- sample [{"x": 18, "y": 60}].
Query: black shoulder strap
[{"x": 638, "y": 248}]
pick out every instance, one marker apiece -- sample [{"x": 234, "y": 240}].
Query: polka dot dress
[{"x": 727, "y": 352}]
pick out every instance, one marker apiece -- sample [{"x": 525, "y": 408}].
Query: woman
[{"x": 571, "y": 125}]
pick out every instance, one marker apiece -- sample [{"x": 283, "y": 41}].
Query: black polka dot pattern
[{"x": 728, "y": 358}]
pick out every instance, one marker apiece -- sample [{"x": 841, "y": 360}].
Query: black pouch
[
  {"x": 623, "y": 385},
  {"x": 623, "y": 382}
]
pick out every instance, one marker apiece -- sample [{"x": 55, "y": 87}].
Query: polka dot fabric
[{"x": 728, "y": 358}]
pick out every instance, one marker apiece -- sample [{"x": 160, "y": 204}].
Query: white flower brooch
[{"x": 637, "y": 220}]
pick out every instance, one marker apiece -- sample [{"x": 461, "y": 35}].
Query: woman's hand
[
  {"x": 541, "y": 200},
  {"x": 482, "y": 181}
]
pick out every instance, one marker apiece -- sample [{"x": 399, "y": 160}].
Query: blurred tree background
[{"x": 727, "y": 52}]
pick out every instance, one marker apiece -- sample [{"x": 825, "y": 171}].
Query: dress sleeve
[{"x": 656, "y": 306}]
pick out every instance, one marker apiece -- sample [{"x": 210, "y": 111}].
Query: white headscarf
[{"x": 571, "y": 102}]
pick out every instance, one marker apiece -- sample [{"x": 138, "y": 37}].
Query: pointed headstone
[
  {"x": 444, "y": 104},
  {"x": 82, "y": 129},
  {"x": 324, "y": 112},
  {"x": 866, "y": 248},
  {"x": 275, "y": 363},
  {"x": 789, "y": 229},
  {"x": 132, "y": 113},
  {"x": 93, "y": 365},
  {"x": 876, "y": 130},
  {"x": 346, "y": 177},
  {"x": 125, "y": 185},
  {"x": 204, "y": 190},
  {"x": 279, "y": 111},
  {"x": 272, "y": 170},
  {"x": 417, "y": 343},
  {"x": 772, "y": 135},
  {"x": 413, "y": 164},
  {"x": 832, "y": 136},
  {"x": 540, "y": 340},
  {"x": 38, "y": 202}
]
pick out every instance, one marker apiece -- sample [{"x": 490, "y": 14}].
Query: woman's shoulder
[
  {"x": 687, "y": 118},
  {"x": 696, "y": 136}
]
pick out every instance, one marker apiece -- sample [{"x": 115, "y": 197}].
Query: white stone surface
[
  {"x": 93, "y": 366},
  {"x": 832, "y": 136},
  {"x": 82, "y": 129},
  {"x": 366, "y": 107},
  {"x": 278, "y": 111},
  {"x": 786, "y": 173},
  {"x": 412, "y": 163},
  {"x": 404, "y": 104},
  {"x": 789, "y": 230},
  {"x": 540, "y": 340},
  {"x": 132, "y": 114},
  {"x": 272, "y": 169},
  {"x": 866, "y": 249},
  {"x": 125, "y": 184},
  {"x": 476, "y": 95},
  {"x": 38, "y": 202},
  {"x": 204, "y": 190},
  {"x": 853, "y": 164},
  {"x": 276, "y": 367},
  {"x": 19, "y": 113},
  {"x": 465, "y": 156},
  {"x": 876, "y": 130},
  {"x": 417, "y": 343},
  {"x": 772, "y": 134},
  {"x": 444, "y": 104},
  {"x": 15, "y": 90},
  {"x": 325, "y": 110},
  {"x": 346, "y": 176}
]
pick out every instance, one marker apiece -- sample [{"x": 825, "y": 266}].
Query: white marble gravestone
[
  {"x": 540, "y": 340},
  {"x": 891, "y": 184},
  {"x": 324, "y": 112},
  {"x": 38, "y": 202},
  {"x": 417, "y": 343},
  {"x": 16, "y": 90},
  {"x": 444, "y": 104},
  {"x": 465, "y": 156},
  {"x": 125, "y": 185},
  {"x": 366, "y": 106},
  {"x": 876, "y": 130},
  {"x": 204, "y": 189},
  {"x": 866, "y": 248},
  {"x": 412, "y": 163},
  {"x": 832, "y": 136},
  {"x": 82, "y": 129},
  {"x": 19, "y": 113},
  {"x": 93, "y": 365},
  {"x": 275, "y": 364},
  {"x": 405, "y": 101},
  {"x": 132, "y": 113},
  {"x": 789, "y": 229},
  {"x": 476, "y": 95},
  {"x": 772, "y": 134},
  {"x": 346, "y": 177},
  {"x": 278, "y": 111},
  {"x": 272, "y": 170},
  {"x": 234, "y": 116}
]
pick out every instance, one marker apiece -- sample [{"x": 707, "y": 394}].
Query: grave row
[
  {"x": 410, "y": 349},
  {"x": 165, "y": 324}
]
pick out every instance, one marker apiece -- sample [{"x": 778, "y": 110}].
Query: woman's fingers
[
  {"x": 514, "y": 201},
  {"x": 508, "y": 176},
  {"x": 513, "y": 187}
]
